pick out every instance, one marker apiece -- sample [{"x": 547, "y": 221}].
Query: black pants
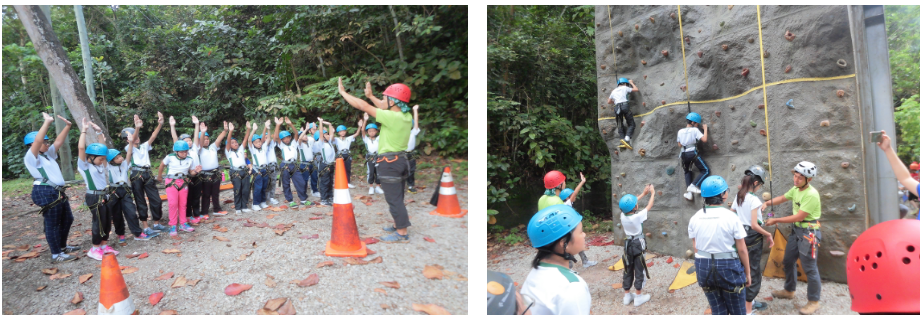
[
  {"x": 347, "y": 161},
  {"x": 122, "y": 208},
  {"x": 241, "y": 181},
  {"x": 754, "y": 247},
  {"x": 372, "y": 172},
  {"x": 58, "y": 219},
  {"x": 102, "y": 220},
  {"x": 194, "y": 200},
  {"x": 625, "y": 115},
  {"x": 692, "y": 158},
  {"x": 411, "y": 176},
  {"x": 326, "y": 181},
  {"x": 143, "y": 183},
  {"x": 211, "y": 190},
  {"x": 634, "y": 270},
  {"x": 393, "y": 170}
]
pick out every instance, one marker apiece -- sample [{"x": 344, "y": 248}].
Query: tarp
[
  {"x": 774, "y": 267},
  {"x": 685, "y": 276},
  {"x": 620, "y": 264}
]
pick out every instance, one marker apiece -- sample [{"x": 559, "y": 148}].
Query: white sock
[{"x": 627, "y": 138}]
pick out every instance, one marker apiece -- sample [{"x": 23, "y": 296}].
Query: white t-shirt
[
  {"x": 306, "y": 151},
  {"x": 327, "y": 153},
  {"x": 620, "y": 93},
  {"x": 633, "y": 224},
  {"x": 139, "y": 155},
  {"x": 412, "y": 144},
  {"x": 371, "y": 144},
  {"x": 343, "y": 144},
  {"x": 688, "y": 137},
  {"x": 94, "y": 176},
  {"x": 208, "y": 156},
  {"x": 745, "y": 211},
  {"x": 45, "y": 163},
  {"x": 260, "y": 157},
  {"x": 716, "y": 230},
  {"x": 119, "y": 173},
  {"x": 289, "y": 151},
  {"x": 236, "y": 159},
  {"x": 176, "y": 165},
  {"x": 557, "y": 291}
]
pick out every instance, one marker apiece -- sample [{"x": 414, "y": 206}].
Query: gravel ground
[
  {"x": 690, "y": 300},
  {"x": 342, "y": 289}
]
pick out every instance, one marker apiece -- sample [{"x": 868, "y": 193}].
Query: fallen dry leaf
[
  {"x": 243, "y": 256},
  {"x": 235, "y": 289},
  {"x": 179, "y": 282},
  {"x": 431, "y": 309},
  {"x": 143, "y": 256},
  {"x": 50, "y": 271},
  {"x": 262, "y": 225},
  {"x": 371, "y": 252},
  {"x": 168, "y": 251},
  {"x": 78, "y": 311},
  {"x": 270, "y": 282},
  {"x": 164, "y": 277},
  {"x": 617, "y": 286},
  {"x": 85, "y": 277},
  {"x": 129, "y": 270},
  {"x": 168, "y": 312},
  {"x": 59, "y": 276},
  {"x": 370, "y": 241},
  {"x": 270, "y": 216},
  {"x": 134, "y": 255},
  {"x": 78, "y": 297},
  {"x": 155, "y": 298},
  {"x": 428, "y": 239},
  {"x": 381, "y": 291},
  {"x": 325, "y": 263},
  {"x": 392, "y": 284},
  {"x": 315, "y": 218},
  {"x": 432, "y": 272},
  {"x": 354, "y": 261},
  {"x": 313, "y": 236},
  {"x": 311, "y": 280},
  {"x": 263, "y": 311},
  {"x": 669, "y": 260},
  {"x": 384, "y": 306},
  {"x": 192, "y": 282},
  {"x": 376, "y": 260},
  {"x": 274, "y": 304},
  {"x": 221, "y": 238},
  {"x": 287, "y": 309},
  {"x": 41, "y": 288}
]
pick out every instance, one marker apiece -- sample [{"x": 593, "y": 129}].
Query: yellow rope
[
  {"x": 768, "y": 136},
  {"x": 786, "y": 81},
  {"x": 682, "y": 40},
  {"x": 610, "y": 29}
]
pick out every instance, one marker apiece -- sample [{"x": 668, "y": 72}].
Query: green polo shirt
[
  {"x": 807, "y": 200},
  {"x": 395, "y": 130},
  {"x": 547, "y": 201}
]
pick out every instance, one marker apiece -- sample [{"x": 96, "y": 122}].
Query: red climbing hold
[
  {"x": 699, "y": 54},
  {"x": 789, "y": 36},
  {"x": 840, "y": 93},
  {"x": 669, "y": 260},
  {"x": 787, "y": 69},
  {"x": 745, "y": 72},
  {"x": 665, "y": 53}
]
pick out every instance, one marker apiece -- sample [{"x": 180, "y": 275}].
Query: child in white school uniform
[
  {"x": 370, "y": 137},
  {"x": 92, "y": 164},
  {"x": 120, "y": 203}
]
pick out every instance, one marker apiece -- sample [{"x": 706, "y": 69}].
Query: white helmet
[{"x": 806, "y": 169}]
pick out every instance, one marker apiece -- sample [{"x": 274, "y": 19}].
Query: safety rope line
[
  {"x": 684, "y": 67},
  {"x": 768, "y": 135},
  {"x": 612, "y": 31},
  {"x": 786, "y": 81}
]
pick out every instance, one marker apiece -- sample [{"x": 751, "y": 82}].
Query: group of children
[{"x": 117, "y": 184}]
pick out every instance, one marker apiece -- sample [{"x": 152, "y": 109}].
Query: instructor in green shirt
[{"x": 392, "y": 114}]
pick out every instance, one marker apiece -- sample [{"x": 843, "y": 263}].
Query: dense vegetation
[
  {"x": 903, "y": 39},
  {"x": 236, "y": 63}
]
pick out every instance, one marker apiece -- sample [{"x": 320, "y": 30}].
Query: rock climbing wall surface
[{"x": 808, "y": 58}]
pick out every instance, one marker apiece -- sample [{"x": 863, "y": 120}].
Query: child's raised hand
[
  {"x": 267, "y": 123},
  {"x": 582, "y": 179},
  {"x": 194, "y": 120},
  {"x": 255, "y": 126},
  {"x": 84, "y": 124},
  {"x": 415, "y": 107},
  {"x": 47, "y": 117},
  {"x": 204, "y": 127},
  {"x": 320, "y": 119},
  {"x": 172, "y": 121},
  {"x": 342, "y": 90},
  {"x": 287, "y": 120},
  {"x": 95, "y": 126},
  {"x": 368, "y": 88},
  {"x": 230, "y": 126},
  {"x": 159, "y": 118},
  {"x": 65, "y": 120},
  {"x": 278, "y": 120},
  {"x": 137, "y": 122},
  {"x": 884, "y": 143},
  {"x": 365, "y": 117}
]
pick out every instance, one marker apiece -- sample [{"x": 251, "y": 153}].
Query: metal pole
[{"x": 85, "y": 50}]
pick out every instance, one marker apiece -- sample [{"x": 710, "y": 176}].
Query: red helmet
[
  {"x": 399, "y": 91},
  {"x": 914, "y": 166},
  {"x": 882, "y": 268},
  {"x": 553, "y": 179}
]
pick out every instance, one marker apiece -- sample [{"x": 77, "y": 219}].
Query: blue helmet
[
  {"x": 316, "y": 135},
  {"x": 311, "y": 125},
  {"x": 180, "y": 146},
  {"x": 256, "y": 137},
  {"x": 565, "y": 193},
  {"x": 713, "y": 186},
  {"x": 200, "y": 134},
  {"x": 623, "y": 80},
  {"x": 112, "y": 154},
  {"x": 552, "y": 223},
  {"x": 284, "y": 134},
  {"x": 97, "y": 149},
  {"x": 627, "y": 203},
  {"x": 694, "y": 117},
  {"x": 30, "y": 138},
  {"x": 371, "y": 126},
  {"x": 340, "y": 128}
]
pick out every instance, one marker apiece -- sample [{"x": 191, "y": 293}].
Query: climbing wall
[{"x": 808, "y": 61}]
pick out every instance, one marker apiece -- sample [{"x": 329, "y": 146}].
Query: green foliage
[
  {"x": 541, "y": 99},
  {"x": 239, "y": 63},
  {"x": 907, "y": 121},
  {"x": 903, "y": 42},
  {"x": 512, "y": 239}
]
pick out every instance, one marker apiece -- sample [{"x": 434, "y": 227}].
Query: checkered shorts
[{"x": 729, "y": 273}]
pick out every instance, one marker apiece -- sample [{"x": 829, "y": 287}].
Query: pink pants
[{"x": 177, "y": 199}]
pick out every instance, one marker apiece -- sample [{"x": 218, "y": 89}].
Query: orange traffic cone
[
  {"x": 448, "y": 198},
  {"x": 345, "y": 238},
  {"x": 113, "y": 293}
]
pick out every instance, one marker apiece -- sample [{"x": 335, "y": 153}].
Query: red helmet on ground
[
  {"x": 399, "y": 91},
  {"x": 882, "y": 268},
  {"x": 914, "y": 166},
  {"x": 553, "y": 179}
]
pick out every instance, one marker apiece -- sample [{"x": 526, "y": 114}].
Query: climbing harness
[
  {"x": 412, "y": 155},
  {"x": 371, "y": 157},
  {"x": 768, "y": 135},
  {"x": 140, "y": 174},
  {"x": 174, "y": 177},
  {"x": 393, "y": 179},
  {"x": 103, "y": 199},
  {"x": 710, "y": 282},
  {"x": 630, "y": 261},
  {"x": 62, "y": 196}
]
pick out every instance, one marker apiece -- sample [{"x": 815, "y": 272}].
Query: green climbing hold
[
  {"x": 623, "y": 193},
  {"x": 853, "y": 207},
  {"x": 752, "y": 123},
  {"x": 721, "y": 23},
  {"x": 670, "y": 170},
  {"x": 765, "y": 164}
]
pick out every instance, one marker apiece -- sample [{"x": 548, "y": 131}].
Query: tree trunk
[
  {"x": 57, "y": 103},
  {"x": 52, "y": 54},
  {"x": 87, "y": 59},
  {"x": 396, "y": 33}
]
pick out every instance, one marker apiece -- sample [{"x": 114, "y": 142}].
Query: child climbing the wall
[
  {"x": 120, "y": 203},
  {"x": 343, "y": 143},
  {"x": 239, "y": 171},
  {"x": 747, "y": 207},
  {"x": 412, "y": 154},
  {"x": 688, "y": 139},
  {"x": 554, "y": 183},
  {"x": 569, "y": 196},
  {"x": 557, "y": 233},
  {"x": 370, "y": 137},
  {"x": 634, "y": 245},
  {"x": 325, "y": 155},
  {"x": 619, "y": 98},
  {"x": 92, "y": 164}
]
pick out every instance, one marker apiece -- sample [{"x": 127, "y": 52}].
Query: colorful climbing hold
[
  {"x": 840, "y": 93},
  {"x": 637, "y": 26},
  {"x": 644, "y": 104},
  {"x": 642, "y": 152},
  {"x": 672, "y": 15},
  {"x": 652, "y": 20},
  {"x": 790, "y": 103},
  {"x": 853, "y": 208},
  {"x": 664, "y": 102},
  {"x": 721, "y": 23},
  {"x": 717, "y": 114},
  {"x": 745, "y": 72},
  {"x": 789, "y": 36},
  {"x": 642, "y": 123},
  {"x": 762, "y": 132},
  {"x": 664, "y": 233},
  {"x": 841, "y": 63},
  {"x": 665, "y": 53},
  {"x": 682, "y": 88},
  {"x": 623, "y": 174},
  {"x": 643, "y": 62},
  {"x": 700, "y": 53},
  {"x": 735, "y": 142},
  {"x": 714, "y": 146},
  {"x": 645, "y": 77},
  {"x": 761, "y": 106},
  {"x": 724, "y": 47},
  {"x": 732, "y": 167},
  {"x": 787, "y": 69},
  {"x": 765, "y": 164},
  {"x": 752, "y": 123},
  {"x": 844, "y": 164},
  {"x": 751, "y": 40},
  {"x": 621, "y": 34},
  {"x": 732, "y": 107},
  {"x": 765, "y": 54},
  {"x": 603, "y": 66},
  {"x": 670, "y": 170},
  {"x": 766, "y": 196},
  {"x": 824, "y": 123}
]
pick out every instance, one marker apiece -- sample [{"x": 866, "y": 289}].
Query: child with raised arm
[
  {"x": 289, "y": 167},
  {"x": 259, "y": 152},
  {"x": 343, "y": 143},
  {"x": 120, "y": 204},
  {"x": 412, "y": 154},
  {"x": 143, "y": 183},
  {"x": 180, "y": 165},
  {"x": 325, "y": 154},
  {"x": 370, "y": 137},
  {"x": 194, "y": 184},
  {"x": 92, "y": 164},
  {"x": 210, "y": 176},
  {"x": 239, "y": 172}
]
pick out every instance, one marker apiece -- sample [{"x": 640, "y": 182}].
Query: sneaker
[
  {"x": 753, "y": 312},
  {"x": 256, "y": 208},
  {"x": 757, "y": 305},
  {"x": 688, "y": 196},
  {"x": 293, "y": 205},
  {"x": 108, "y": 249},
  {"x": 371, "y": 190},
  {"x": 590, "y": 263},
  {"x": 316, "y": 194},
  {"x": 185, "y": 227},
  {"x": 203, "y": 218},
  {"x": 220, "y": 213},
  {"x": 395, "y": 237},
  {"x": 324, "y": 203},
  {"x": 71, "y": 248},
  {"x": 264, "y": 205},
  {"x": 94, "y": 253},
  {"x": 144, "y": 237},
  {"x": 121, "y": 239},
  {"x": 307, "y": 203},
  {"x": 628, "y": 298},
  {"x": 379, "y": 190},
  {"x": 640, "y": 299},
  {"x": 237, "y": 212},
  {"x": 247, "y": 210},
  {"x": 159, "y": 227},
  {"x": 173, "y": 231},
  {"x": 694, "y": 189},
  {"x": 193, "y": 220},
  {"x": 351, "y": 186},
  {"x": 411, "y": 189},
  {"x": 150, "y": 232},
  {"x": 61, "y": 258},
  {"x": 389, "y": 229}
]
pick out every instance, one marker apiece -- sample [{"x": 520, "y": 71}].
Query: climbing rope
[
  {"x": 684, "y": 67},
  {"x": 768, "y": 135},
  {"x": 612, "y": 30}
]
